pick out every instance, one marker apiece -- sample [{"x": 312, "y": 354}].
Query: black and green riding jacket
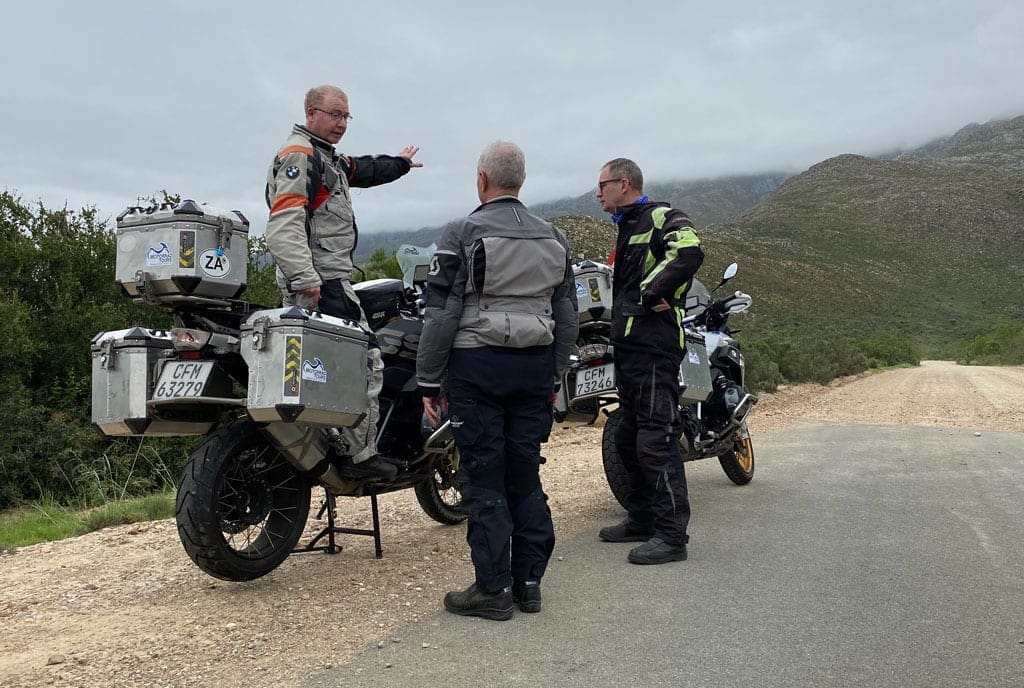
[{"x": 657, "y": 254}]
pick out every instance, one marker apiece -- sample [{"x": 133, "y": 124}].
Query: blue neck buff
[{"x": 617, "y": 217}]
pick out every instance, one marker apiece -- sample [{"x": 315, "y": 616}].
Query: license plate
[
  {"x": 596, "y": 379},
  {"x": 183, "y": 379}
]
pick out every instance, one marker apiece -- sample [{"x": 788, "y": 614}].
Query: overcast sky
[{"x": 104, "y": 102}]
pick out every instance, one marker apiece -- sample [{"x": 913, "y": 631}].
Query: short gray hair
[
  {"x": 624, "y": 168},
  {"x": 316, "y": 96},
  {"x": 504, "y": 165}
]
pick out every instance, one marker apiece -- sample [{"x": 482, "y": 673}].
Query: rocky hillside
[
  {"x": 707, "y": 201},
  {"x": 924, "y": 244},
  {"x": 999, "y": 143}
]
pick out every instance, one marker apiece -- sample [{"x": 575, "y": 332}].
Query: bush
[
  {"x": 889, "y": 349},
  {"x": 1003, "y": 346},
  {"x": 57, "y": 267}
]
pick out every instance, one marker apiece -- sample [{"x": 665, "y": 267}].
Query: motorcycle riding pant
[
  {"x": 499, "y": 403},
  {"x": 337, "y": 298},
  {"x": 647, "y": 440}
]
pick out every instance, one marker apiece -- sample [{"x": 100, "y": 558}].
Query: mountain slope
[
  {"x": 927, "y": 243},
  {"x": 707, "y": 201}
]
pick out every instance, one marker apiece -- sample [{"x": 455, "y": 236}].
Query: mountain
[
  {"x": 926, "y": 243},
  {"x": 707, "y": 201},
  {"x": 998, "y": 143}
]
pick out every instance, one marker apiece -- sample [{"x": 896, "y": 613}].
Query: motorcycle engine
[{"x": 723, "y": 401}]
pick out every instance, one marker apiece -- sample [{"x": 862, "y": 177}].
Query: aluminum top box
[
  {"x": 186, "y": 252},
  {"x": 593, "y": 290}
]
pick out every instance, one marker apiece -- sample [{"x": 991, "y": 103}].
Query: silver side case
[
  {"x": 305, "y": 368},
  {"x": 125, "y": 365}
]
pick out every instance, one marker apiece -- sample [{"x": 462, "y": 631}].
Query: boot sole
[
  {"x": 642, "y": 560},
  {"x": 493, "y": 614}
]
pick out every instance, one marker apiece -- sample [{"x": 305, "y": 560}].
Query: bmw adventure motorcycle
[
  {"x": 713, "y": 402},
  {"x": 267, "y": 387}
]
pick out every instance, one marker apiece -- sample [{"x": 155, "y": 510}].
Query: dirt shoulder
[{"x": 125, "y": 607}]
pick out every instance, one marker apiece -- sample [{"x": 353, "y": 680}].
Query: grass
[{"x": 47, "y": 521}]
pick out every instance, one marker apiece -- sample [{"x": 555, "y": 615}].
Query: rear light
[
  {"x": 185, "y": 339},
  {"x": 593, "y": 352}
]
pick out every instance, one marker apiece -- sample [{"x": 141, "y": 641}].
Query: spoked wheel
[
  {"x": 738, "y": 464},
  {"x": 439, "y": 495},
  {"x": 241, "y": 506}
]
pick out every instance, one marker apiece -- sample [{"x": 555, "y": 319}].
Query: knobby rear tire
[{"x": 241, "y": 507}]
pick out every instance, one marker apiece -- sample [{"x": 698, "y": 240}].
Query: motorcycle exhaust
[{"x": 306, "y": 448}]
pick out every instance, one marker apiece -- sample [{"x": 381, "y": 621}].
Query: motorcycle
[
  {"x": 713, "y": 402},
  {"x": 268, "y": 388}
]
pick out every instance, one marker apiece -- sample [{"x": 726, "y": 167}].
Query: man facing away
[
  {"x": 501, "y": 319},
  {"x": 312, "y": 235},
  {"x": 656, "y": 256}
]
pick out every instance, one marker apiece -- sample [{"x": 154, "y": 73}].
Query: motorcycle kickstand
[{"x": 329, "y": 506}]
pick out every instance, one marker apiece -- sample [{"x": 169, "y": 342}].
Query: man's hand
[
  {"x": 408, "y": 152},
  {"x": 434, "y": 407},
  {"x": 313, "y": 294}
]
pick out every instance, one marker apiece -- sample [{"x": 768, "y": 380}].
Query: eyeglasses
[
  {"x": 600, "y": 185},
  {"x": 336, "y": 116}
]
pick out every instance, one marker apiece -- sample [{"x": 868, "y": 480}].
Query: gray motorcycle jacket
[
  {"x": 311, "y": 232},
  {"x": 500, "y": 277}
]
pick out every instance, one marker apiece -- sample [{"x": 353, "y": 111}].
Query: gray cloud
[{"x": 104, "y": 102}]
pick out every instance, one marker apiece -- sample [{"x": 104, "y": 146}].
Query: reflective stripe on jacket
[
  {"x": 657, "y": 254},
  {"x": 311, "y": 232}
]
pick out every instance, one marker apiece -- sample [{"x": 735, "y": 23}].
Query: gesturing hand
[{"x": 408, "y": 152}]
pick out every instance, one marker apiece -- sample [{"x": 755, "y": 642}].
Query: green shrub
[
  {"x": 889, "y": 349},
  {"x": 1002, "y": 346}
]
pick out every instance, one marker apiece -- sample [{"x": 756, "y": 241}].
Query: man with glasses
[
  {"x": 656, "y": 256},
  {"x": 312, "y": 235}
]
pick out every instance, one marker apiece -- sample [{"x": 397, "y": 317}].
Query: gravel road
[{"x": 125, "y": 607}]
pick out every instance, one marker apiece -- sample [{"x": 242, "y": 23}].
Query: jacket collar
[
  {"x": 624, "y": 213},
  {"x": 322, "y": 144},
  {"x": 501, "y": 200}
]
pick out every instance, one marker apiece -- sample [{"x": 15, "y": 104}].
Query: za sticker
[
  {"x": 694, "y": 357},
  {"x": 214, "y": 262}
]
